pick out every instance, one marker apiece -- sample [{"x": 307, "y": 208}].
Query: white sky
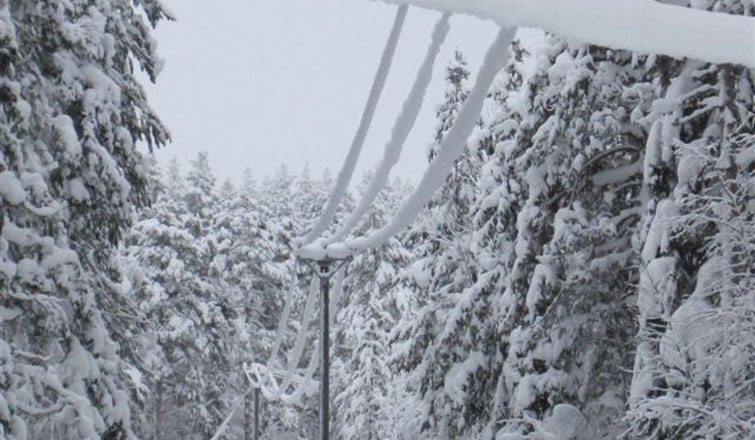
[{"x": 262, "y": 82}]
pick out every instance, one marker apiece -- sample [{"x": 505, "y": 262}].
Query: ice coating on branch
[
  {"x": 660, "y": 231},
  {"x": 344, "y": 177},
  {"x": 457, "y": 378}
]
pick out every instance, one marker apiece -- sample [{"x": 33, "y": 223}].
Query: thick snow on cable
[
  {"x": 256, "y": 373},
  {"x": 293, "y": 359},
  {"x": 283, "y": 322},
  {"x": 401, "y": 129},
  {"x": 344, "y": 177},
  {"x": 314, "y": 361},
  {"x": 644, "y": 26},
  {"x": 223, "y": 426},
  {"x": 452, "y": 145}
]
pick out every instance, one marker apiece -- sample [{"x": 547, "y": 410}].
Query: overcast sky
[{"x": 259, "y": 83}]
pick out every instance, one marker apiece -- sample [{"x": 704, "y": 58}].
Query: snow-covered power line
[
  {"x": 288, "y": 304},
  {"x": 452, "y": 147},
  {"x": 256, "y": 372},
  {"x": 401, "y": 129},
  {"x": 315, "y": 358},
  {"x": 223, "y": 426},
  {"x": 293, "y": 359},
  {"x": 267, "y": 383},
  {"x": 344, "y": 176},
  {"x": 265, "y": 377},
  {"x": 644, "y": 26}
]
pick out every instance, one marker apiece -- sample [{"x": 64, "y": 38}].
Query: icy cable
[
  {"x": 401, "y": 129},
  {"x": 274, "y": 392},
  {"x": 662, "y": 28},
  {"x": 314, "y": 360},
  {"x": 293, "y": 360},
  {"x": 344, "y": 177},
  {"x": 284, "y": 316},
  {"x": 452, "y": 145},
  {"x": 223, "y": 426}
]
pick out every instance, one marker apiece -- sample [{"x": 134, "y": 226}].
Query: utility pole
[
  {"x": 252, "y": 421},
  {"x": 325, "y": 344},
  {"x": 159, "y": 409},
  {"x": 325, "y": 269},
  {"x": 256, "y": 414}
]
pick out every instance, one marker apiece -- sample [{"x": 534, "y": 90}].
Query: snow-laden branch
[{"x": 644, "y": 26}]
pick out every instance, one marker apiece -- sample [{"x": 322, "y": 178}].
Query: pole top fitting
[{"x": 319, "y": 252}]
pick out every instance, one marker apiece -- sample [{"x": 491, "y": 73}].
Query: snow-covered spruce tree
[
  {"x": 151, "y": 251},
  {"x": 276, "y": 198},
  {"x": 362, "y": 375},
  {"x": 309, "y": 200},
  {"x": 427, "y": 341},
  {"x": 244, "y": 254},
  {"x": 244, "y": 265},
  {"x": 705, "y": 353},
  {"x": 570, "y": 184},
  {"x": 71, "y": 110},
  {"x": 289, "y": 204},
  {"x": 542, "y": 322},
  {"x": 172, "y": 252},
  {"x": 207, "y": 380},
  {"x": 692, "y": 375}
]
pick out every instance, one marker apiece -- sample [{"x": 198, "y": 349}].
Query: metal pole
[
  {"x": 325, "y": 344},
  {"x": 159, "y": 409},
  {"x": 256, "y": 414},
  {"x": 248, "y": 417},
  {"x": 323, "y": 270}
]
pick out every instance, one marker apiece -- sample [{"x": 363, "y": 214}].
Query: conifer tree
[
  {"x": 172, "y": 251},
  {"x": 700, "y": 120},
  {"x": 363, "y": 375},
  {"x": 71, "y": 110},
  {"x": 429, "y": 342}
]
